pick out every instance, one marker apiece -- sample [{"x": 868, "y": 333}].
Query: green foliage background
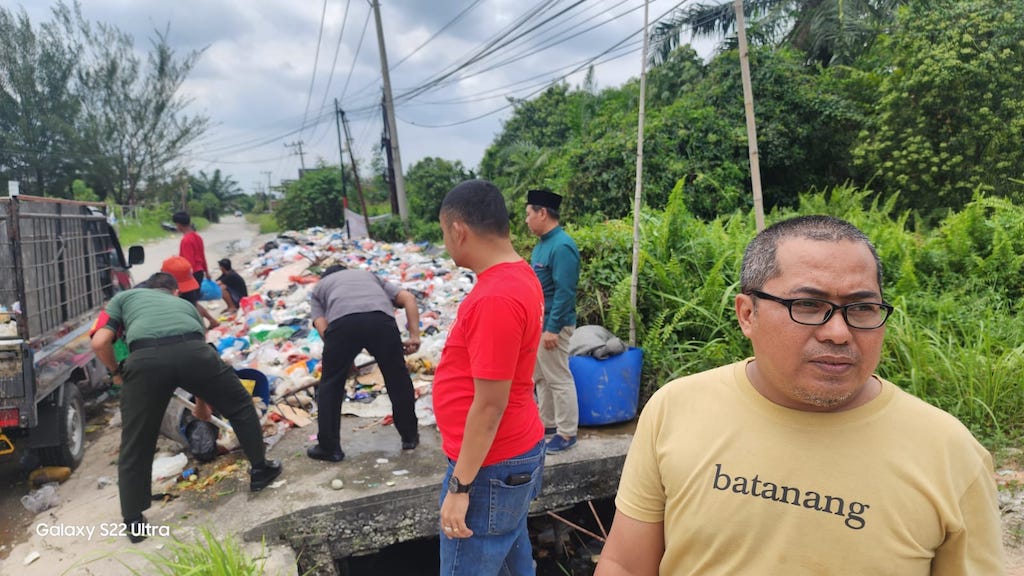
[{"x": 954, "y": 339}]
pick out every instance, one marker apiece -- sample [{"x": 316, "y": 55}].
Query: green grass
[
  {"x": 266, "y": 222},
  {"x": 139, "y": 232},
  {"x": 208, "y": 555},
  {"x": 148, "y": 228}
]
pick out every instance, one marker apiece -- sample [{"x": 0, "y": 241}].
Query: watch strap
[{"x": 455, "y": 486}]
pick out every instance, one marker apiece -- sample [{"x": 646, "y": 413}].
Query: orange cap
[{"x": 182, "y": 271}]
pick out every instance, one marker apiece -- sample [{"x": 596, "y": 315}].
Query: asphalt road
[{"x": 224, "y": 239}]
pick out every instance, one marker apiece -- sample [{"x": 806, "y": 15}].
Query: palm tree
[
  {"x": 217, "y": 192},
  {"x": 829, "y": 32}
]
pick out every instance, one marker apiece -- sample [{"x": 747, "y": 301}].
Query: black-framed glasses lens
[
  {"x": 864, "y": 315},
  {"x": 815, "y": 312}
]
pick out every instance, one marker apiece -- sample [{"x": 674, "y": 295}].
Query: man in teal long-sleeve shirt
[{"x": 556, "y": 261}]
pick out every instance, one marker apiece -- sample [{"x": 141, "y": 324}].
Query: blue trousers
[{"x": 497, "y": 516}]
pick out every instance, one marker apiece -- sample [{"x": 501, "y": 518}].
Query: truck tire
[{"x": 71, "y": 449}]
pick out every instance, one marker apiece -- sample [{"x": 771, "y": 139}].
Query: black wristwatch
[{"x": 456, "y": 487}]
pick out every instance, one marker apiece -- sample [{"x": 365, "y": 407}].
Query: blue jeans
[{"x": 497, "y": 516}]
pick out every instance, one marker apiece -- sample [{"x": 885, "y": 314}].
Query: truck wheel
[{"x": 72, "y": 432}]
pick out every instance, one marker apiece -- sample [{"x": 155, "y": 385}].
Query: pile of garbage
[{"x": 272, "y": 332}]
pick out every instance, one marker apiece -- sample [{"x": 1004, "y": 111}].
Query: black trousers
[
  {"x": 345, "y": 338},
  {"x": 150, "y": 377}
]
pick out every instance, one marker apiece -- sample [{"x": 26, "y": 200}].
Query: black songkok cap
[{"x": 544, "y": 198}]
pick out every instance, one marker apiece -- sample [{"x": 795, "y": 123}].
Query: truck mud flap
[{"x": 6, "y": 446}]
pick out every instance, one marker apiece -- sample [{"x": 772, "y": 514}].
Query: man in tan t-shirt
[{"x": 801, "y": 460}]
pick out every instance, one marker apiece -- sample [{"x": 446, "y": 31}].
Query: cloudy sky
[{"x": 271, "y": 69}]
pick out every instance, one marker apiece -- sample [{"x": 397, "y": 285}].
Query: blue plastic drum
[{"x": 607, "y": 390}]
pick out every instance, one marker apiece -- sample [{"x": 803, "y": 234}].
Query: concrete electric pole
[
  {"x": 302, "y": 156},
  {"x": 389, "y": 106},
  {"x": 267, "y": 172}
]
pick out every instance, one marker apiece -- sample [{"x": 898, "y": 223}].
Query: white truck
[{"x": 60, "y": 262}]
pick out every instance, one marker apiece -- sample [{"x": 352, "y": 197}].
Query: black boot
[
  {"x": 261, "y": 476},
  {"x": 411, "y": 443},
  {"x": 317, "y": 452},
  {"x": 137, "y": 529}
]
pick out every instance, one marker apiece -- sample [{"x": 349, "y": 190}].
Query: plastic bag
[
  {"x": 169, "y": 466},
  {"x": 209, "y": 290},
  {"x": 202, "y": 440},
  {"x": 42, "y": 499}
]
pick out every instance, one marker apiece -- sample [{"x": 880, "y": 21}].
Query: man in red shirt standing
[
  {"x": 193, "y": 250},
  {"x": 483, "y": 393},
  {"x": 191, "y": 247}
]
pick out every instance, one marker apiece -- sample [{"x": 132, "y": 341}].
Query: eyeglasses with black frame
[{"x": 815, "y": 312}]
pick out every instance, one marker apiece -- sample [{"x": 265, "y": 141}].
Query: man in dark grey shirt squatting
[{"x": 353, "y": 310}]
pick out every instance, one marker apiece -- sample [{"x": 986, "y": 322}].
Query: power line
[
  {"x": 492, "y": 47},
  {"x": 542, "y": 6},
  {"x": 337, "y": 49},
  {"x": 527, "y": 97},
  {"x": 330, "y": 74},
  {"x": 489, "y": 48},
  {"x": 451, "y": 22},
  {"x": 316, "y": 61},
  {"x": 581, "y": 66},
  {"x": 478, "y": 97},
  {"x": 355, "y": 58}
]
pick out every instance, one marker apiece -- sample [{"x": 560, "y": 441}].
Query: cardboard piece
[
  {"x": 279, "y": 279},
  {"x": 296, "y": 416}
]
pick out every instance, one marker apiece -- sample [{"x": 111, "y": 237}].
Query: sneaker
[
  {"x": 412, "y": 443},
  {"x": 550, "y": 431},
  {"x": 261, "y": 476},
  {"x": 559, "y": 443},
  {"x": 317, "y": 452},
  {"x": 137, "y": 529}
]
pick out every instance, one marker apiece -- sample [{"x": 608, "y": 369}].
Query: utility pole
[
  {"x": 302, "y": 157},
  {"x": 638, "y": 190},
  {"x": 267, "y": 172},
  {"x": 389, "y": 175},
  {"x": 183, "y": 176},
  {"x": 341, "y": 164},
  {"x": 748, "y": 106},
  {"x": 355, "y": 171},
  {"x": 389, "y": 106},
  {"x": 341, "y": 151}
]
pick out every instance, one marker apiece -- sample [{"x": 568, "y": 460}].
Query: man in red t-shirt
[
  {"x": 191, "y": 247},
  {"x": 483, "y": 392},
  {"x": 193, "y": 250}
]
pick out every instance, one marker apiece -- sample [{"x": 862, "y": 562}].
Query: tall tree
[
  {"x": 312, "y": 200},
  {"x": 826, "y": 31},
  {"x": 547, "y": 121},
  {"x": 949, "y": 107},
  {"x": 37, "y": 106},
  {"x": 134, "y": 120},
  {"x": 429, "y": 180},
  {"x": 225, "y": 190}
]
